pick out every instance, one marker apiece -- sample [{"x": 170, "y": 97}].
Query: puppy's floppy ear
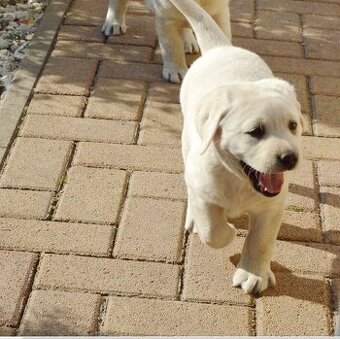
[{"x": 212, "y": 109}]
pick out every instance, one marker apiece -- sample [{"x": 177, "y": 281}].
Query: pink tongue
[{"x": 272, "y": 182}]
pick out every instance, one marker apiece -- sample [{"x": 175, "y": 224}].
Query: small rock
[
  {"x": 4, "y": 44},
  {"x": 22, "y": 14},
  {"x": 29, "y": 37},
  {"x": 10, "y": 9}
]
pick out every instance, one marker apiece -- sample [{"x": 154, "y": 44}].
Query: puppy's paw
[
  {"x": 190, "y": 42},
  {"x": 113, "y": 28},
  {"x": 174, "y": 73},
  {"x": 253, "y": 283},
  {"x": 218, "y": 237}
]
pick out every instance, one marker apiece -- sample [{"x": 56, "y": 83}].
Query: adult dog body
[
  {"x": 174, "y": 34},
  {"x": 242, "y": 129}
]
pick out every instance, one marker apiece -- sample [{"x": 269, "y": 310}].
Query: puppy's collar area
[{"x": 268, "y": 184}]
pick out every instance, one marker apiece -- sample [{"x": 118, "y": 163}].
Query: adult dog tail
[{"x": 208, "y": 33}]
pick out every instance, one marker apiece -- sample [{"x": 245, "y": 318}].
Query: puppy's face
[{"x": 261, "y": 127}]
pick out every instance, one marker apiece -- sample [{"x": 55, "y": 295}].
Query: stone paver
[
  {"x": 108, "y": 276},
  {"x": 157, "y": 185},
  {"x": 36, "y": 163},
  {"x": 92, "y": 195},
  {"x": 161, "y": 124},
  {"x": 151, "y": 158},
  {"x": 34, "y": 235},
  {"x": 116, "y": 99},
  {"x": 24, "y": 203},
  {"x": 151, "y": 229},
  {"x": 53, "y": 313},
  {"x": 140, "y": 317},
  {"x": 63, "y": 105},
  {"x": 93, "y": 199},
  {"x": 78, "y": 129},
  {"x": 67, "y": 76},
  {"x": 16, "y": 272}
]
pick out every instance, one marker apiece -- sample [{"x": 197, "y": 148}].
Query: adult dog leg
[
  {"x": 115, "y": 18},
  {"x": 253, "y": 274},
  {"x": 210, "y": 223},
  {"x": 172, "y": 49},
  {"x": 223, "y": 21},
  {"x": 190, "y": 42}
]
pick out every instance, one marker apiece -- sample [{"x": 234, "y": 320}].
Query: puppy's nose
[{"x": 288, "y": 160}]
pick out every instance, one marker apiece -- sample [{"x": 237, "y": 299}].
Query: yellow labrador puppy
[
  {"x": 174, "y": 34},
  {"x": 242, "y": 131}
]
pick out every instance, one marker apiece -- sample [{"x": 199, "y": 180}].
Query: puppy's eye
[
  {"x": 257, "y": 132},
  {"x": 292, "y": 126}
]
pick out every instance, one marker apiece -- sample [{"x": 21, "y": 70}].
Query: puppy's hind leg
[
  {"x": 115, "y": 18},
  {"x": 172, "y": 49},
  {"x": 210, "y": 222}
]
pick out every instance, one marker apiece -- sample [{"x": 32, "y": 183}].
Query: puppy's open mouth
[{"x": 268, "y": 184}]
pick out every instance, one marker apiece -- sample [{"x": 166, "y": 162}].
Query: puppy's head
[{"x": 258, "y": 124}]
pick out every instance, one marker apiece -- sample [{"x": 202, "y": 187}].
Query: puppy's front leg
[
  {"x": 209, "y": 221},
  {"x": 253, "y": 274},
  {"x": 172, "y": 49},
  {"x": 115, "y": 18}
]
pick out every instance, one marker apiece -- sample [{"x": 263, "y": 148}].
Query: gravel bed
[{"x": 19, "y": 20}]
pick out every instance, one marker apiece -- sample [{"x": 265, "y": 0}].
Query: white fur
[
  {"x": 223, "y": 96},
  {"x": 174, "y": 34}
]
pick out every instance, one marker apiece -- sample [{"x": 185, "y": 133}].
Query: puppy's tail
[{"x": 209, "y": 35}]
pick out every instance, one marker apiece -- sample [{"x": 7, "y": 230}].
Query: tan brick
[
  {"x": 92, "y": 50},
  {"x": 303, "y": 66},
  {"x": 36, "y": 163},
  {"x": 242, "y": 10},
  {"x": 92, "y": 195},
  {"x": 94, "y": 12},
  {"x": 16, "y": 273},
  {"x": 140, "y": 31},
  {"x": 161, "y": 124},
  {"x": 6, "y": 331},
  {"x": 138, "y": 317},
  {"x": 158, "y": 185},
  {"x": 2, "y": 153},
  {"x": 208, "y": 273},
  {"x": 330, "y": 213},
  {"x": 242, "y": 29},
  {"x": 80, "y": 33},
  {"x": 63, "y": 105},
  {"x": 151, "y": 229},
  {"x": 46, "y": 236},
  {"x": 270, "y": 47},
  {"x": 310, "y": 257},
  {"x": 24, "y": 204},
  {"x": 278, "y": 26},
  {"x": 302, "y": 192},
  {"x": 130, "y": 71},
  {"x": 327, "y": 119},
  {"x": 297, "y": 307},
  {"x": 116, "y": 99},
  {"x": 320, "y": 148},
  {"x": 321, "y": 21},
  {"x": 328, "y": 173},
  {"x": 150, "y": 158},
  {"x": 108, "y": 276},
  {"x": 54, "y": 313},
  {"x": 67, "y": 76},
  {"x": 161, "y": 92},
  {"x": 79, "y": 129},
  {"x": 325, "y": 85},
  {"x": 300, "y": 226},
  {"x": 322, "y": 44},
  {"x": 300, "y": 7}
]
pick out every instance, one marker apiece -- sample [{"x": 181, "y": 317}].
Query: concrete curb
[{"x": 14, "y": 104}]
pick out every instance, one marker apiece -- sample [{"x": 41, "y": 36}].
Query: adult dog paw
[
  {"x": 174, "y": 73},
  {"x": 113, "y": 28},
  {"x": 253, "y": 283},
  {"x": 190, "y": 42}
]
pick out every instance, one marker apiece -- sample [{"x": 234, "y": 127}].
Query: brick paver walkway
[{"x": 93, "y": 200}]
